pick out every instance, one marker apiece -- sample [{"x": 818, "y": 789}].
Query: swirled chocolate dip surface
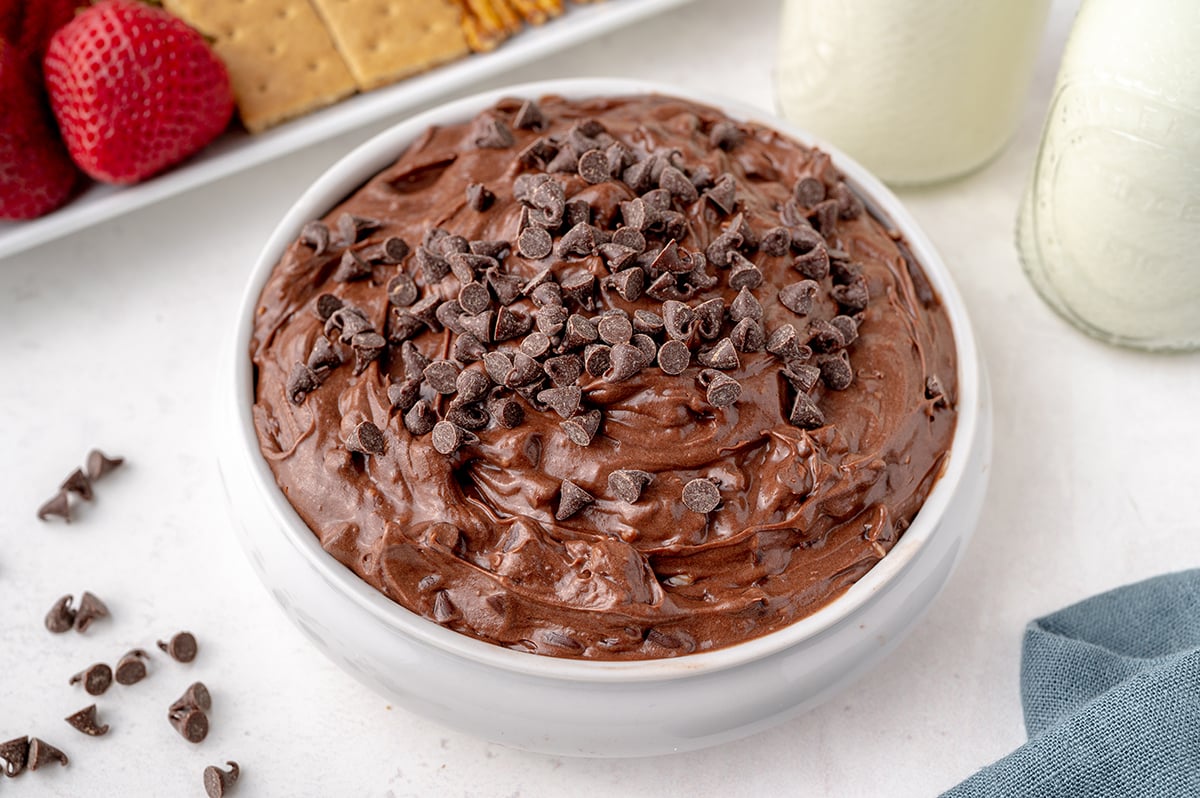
[{"x": 614, "y": 379}]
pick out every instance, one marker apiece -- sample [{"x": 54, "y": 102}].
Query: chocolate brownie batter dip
[{"x": 612, "y": 379}]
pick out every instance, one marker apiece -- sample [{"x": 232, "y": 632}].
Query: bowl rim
[{"x": 367, "y": 159}]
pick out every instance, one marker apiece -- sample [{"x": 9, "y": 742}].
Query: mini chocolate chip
[
  {"x": 535, "y": 243},
  {"x": 578, "y": 332},
  {"x": 678, "y": 319},
  {"x": 506, "y": 287},
  {"x": 61, "y": 616},
  {"x": 479, "y": 325},
  {"x": 525, "y": 371},
  {"x": 579, "y": 211},
  {"x": 85, "y": 721},
  {"x": 420, "y": 418},
  {"x": 825, "y": 216},
  {"x": 852, "y": 298},
  {"x": 474, "y": 297},
  {"x": 784, "y": 343},
  {"x": 579, "y": 288},
  {"x": 564, "y": 369},
  {"x": 326, "y": 305},
  {"x": 472, "y": 385},
  {"x": 710, "y": 314},
  {"x": 722, "y": 390},
  {"x": 468, "y": 348},
  {"x": 836, "y": 372},
  {"x": 824, "y": 337},
  {"x": 637, "y": 214},
  {"x": 191, "y": 723},
  {"x": 433, "y": 267},
  {"x": 748, "y": 336},
  {"x": 745, "y": 306},
  {"x": 507, "y": 411},
  {"x": 805, "y": 239},
  {"x": 365, "y": 438},
  {"x": 615, "y": 329},
  {"x": 393, "y": 249},
  {"x": 323, "y": 357},
  {"x": 629, "y": 283},
  {"x": 721, "y": 247},
  {"x": 350, "y": 321},
  {"x": 593, "y": 167},
  {"x": 14, "y": 754},
  {"x": 403, "y": 395},
  {"x": 802, "y": 377},
  {"x": 805, "y": 414},
  {"x": 776, "y": 242},
  {"x": 217, "y": 782},
  {"x": 627, "y": 484},
  {"x": 402, "y": 291},
  {"x": 490, "y": 133},
  {"x": 351, "y": 227},
  {"x": 90, "y": 608},
  {"x": 548, "y": 295},
  {"x": 645, "y": 321},
  {"x": 536, "y": 344},
  {"x": 130, "y": 668},
  {"x": 673, "y": 357},
  {"x": 301, "y": 381},
  {"x": 665, "y": 287},
  {"x": 701, "y": 495},
  {"x": 798, "y": 297},
  {"x": 631, "y": 238},
  {"x": 847, "y": 326},
  {"x": 368, "y": 346},
  {"x": 41, "y": 753},
  {"x": 723, "y": 193},
  {"x": 579, "y": 240},
  {"x": 808, "y": 191},
  {"x": 315, "y": 234},
  {"x": 96, "y": 678},
  {"x": 563, "y": 400},
  {"x": 479, "y": 197},
  {"x": 721, "y": 356},
  {"x": 572, "y": 499},
  {"x": 674, "y": 181},
  {"x": 403, "y": 325},
  {"x": 616, "y": 256},
  {"x": 441, "y": 375},
  {"x": 639, "y": 177},
  {"x": 351, "y": 267},
  {"x": 564, "y": 161},
  {"x": 626, "y": 361},
  {"x": 581, "y": 429},
  {"x": 726, "y": 135},
  {"x": 744, "y": 274},
  {"x": 935, "y": 391},
  {"x": 468, "y": 415},
  {"x": 596, "y": 359},
  {"x": 646, "y": 345},
  {"x": 529, "y": 117},
  {"x": 195, "y": 697},
  {"x": 510, "y": 324},
  {"x": 449, "y": 437},
  {"x": 78, "y": 483},
  {"x": 99, "y": 464},
  {"x": 413, "y": 360},
  {"x": 670, "y": 259},
  {"x": 849, "y": 205}
]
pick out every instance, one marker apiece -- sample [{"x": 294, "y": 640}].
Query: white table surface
[{"x": 111, "y": 338}]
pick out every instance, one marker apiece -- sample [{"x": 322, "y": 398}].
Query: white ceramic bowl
[{"x": 573, "y": 707}]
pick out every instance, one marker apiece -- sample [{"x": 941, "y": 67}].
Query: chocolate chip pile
[
  {"x": 78, "y": 483},
  {"x": 613, "y": 377},
  {"x": 539, "y": 343}
]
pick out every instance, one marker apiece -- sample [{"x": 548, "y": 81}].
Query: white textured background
[{"x": 111, "y": 337}]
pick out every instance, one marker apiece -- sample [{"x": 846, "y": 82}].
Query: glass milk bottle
[
  {"x": 1109, "y": 231},
  {"x": 915, "y": 90}
]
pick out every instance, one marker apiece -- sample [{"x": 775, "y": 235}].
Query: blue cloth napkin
[{"x": 1111, "y": 691}]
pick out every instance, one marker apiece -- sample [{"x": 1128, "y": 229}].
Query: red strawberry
[
  {"x": 42, "y": 19},
  {"x": 36, "y": 175},
  {"x": 135, "y": 90}
]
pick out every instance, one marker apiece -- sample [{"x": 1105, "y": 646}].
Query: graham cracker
[
  {"x": 385, "y": 40},
  {"x": 281, "y": 60}
]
